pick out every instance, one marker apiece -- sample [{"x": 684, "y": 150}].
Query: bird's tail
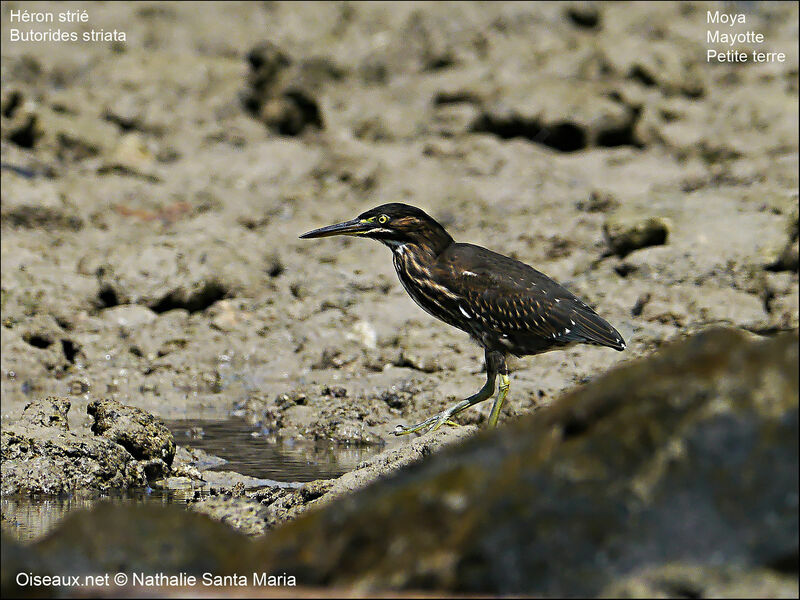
[{"x": 593, "y": 329}]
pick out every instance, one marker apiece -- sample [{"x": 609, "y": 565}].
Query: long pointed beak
[{"x": 353, "y": 227}]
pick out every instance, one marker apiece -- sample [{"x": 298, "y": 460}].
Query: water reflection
[
  {"x": 254, "y": 452},
  {"x": 29, "y": 518},
  {"x": 246, "y": 450}
]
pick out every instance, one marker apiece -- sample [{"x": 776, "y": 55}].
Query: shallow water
[
  {"x": 30, "y": 518},
  {"x": 246, "y": 449},
  {"x": 255, "y": 452}
]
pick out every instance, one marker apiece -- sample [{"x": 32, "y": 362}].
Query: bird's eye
[{"x": 383, "y": 219}]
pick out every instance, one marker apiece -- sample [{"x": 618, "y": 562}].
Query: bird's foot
[{"x": 431, "y": 424}]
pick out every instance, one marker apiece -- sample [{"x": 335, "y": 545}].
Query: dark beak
[{"x": 354, "y": 227}]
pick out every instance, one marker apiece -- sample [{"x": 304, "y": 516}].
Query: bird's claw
[
  {"x": 402, "y": 430},
  {"x": 443, "y": 420},
  {"x": 431, "y": 424}
]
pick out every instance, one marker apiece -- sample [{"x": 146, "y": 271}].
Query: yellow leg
[
  {"x": 505, "y": 383},
  {"x": 495, "y": 363},
  {"x": 436, "y": 421}
]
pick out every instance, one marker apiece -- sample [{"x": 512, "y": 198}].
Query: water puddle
[
  {"x": 254, "y": 452},
  {"x": 246, "y": 449},
  {"x": 30, "y": 518}
]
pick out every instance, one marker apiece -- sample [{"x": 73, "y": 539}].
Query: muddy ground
[{"x": 153, "y": 192}]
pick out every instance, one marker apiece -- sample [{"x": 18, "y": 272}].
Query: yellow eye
[{"x": 383, "y": 219}]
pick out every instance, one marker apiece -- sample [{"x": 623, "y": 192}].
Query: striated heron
[{"x": 502, "y": 303}]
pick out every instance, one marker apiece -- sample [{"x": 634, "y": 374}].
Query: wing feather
[{"x": 521, "y": 305}]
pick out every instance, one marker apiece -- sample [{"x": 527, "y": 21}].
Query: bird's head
[{"x": 392, "y": 224}]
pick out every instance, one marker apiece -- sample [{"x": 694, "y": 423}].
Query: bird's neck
[
  {"x": 404, "y": 251},
  {"x": 422, "y": 251},
  {"x": 429, "y": 245},
  {"x": 436, "y": 239}
]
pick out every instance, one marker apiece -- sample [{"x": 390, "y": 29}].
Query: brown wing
[{"x": 528, "y": 311}]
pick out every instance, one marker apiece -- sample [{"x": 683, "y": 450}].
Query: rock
[
  {"x": 689, "y": 455},
  {"x": 51, "y": 412},
  {"x": 291, "y": 113},
  {"x": 35, "y": 203},
  {"x": 244, "y": 515},
  {"x": 128, "y": 317},
  {"x": 412, "y": 360},
  {"x": 35, "y": 217},
  {"x": 565, "y": 116},
  {"x": 258, "y": 511},
  {"x": 139, "y": 432},
  {"x": 196, "y": 458},
  {"x": 663, "y": 65},
  {"x": 131, "y": 156},
  {"x": 21, "y": 124},
  {"x": 41, "y": 456},
  {"x": 417, "y": 352},
  {"x": 284, "y": 504},
  {"x": 598, "y": 201},
  {"x": 692, "y": 581},
  {"x": 192, "y": 470},
  {"x": 33, "y": 285},
  {"x": 148, "y": 538},
  {"x": 227, "y": 315},
  {"x": 583, "y": 14},
  {"x": 282, "y": 93},
  {"x": 383, "y": 464},
  {"x": 625, "y": 233},
  {"x": 43, "y": 336},
  {"x": 255, "y": 512},
  {"x": 69, "y": 136},
  {"x": 426, "y": 42},
  {"x": 788, "y": 259},
  {"x": 266, "y": 62},
  {"x": 364, "y": 332},
  {"x": 16, "y": 558},
  {"x": 164, "y": 275},
  {"x": 213, "y": 480}
]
